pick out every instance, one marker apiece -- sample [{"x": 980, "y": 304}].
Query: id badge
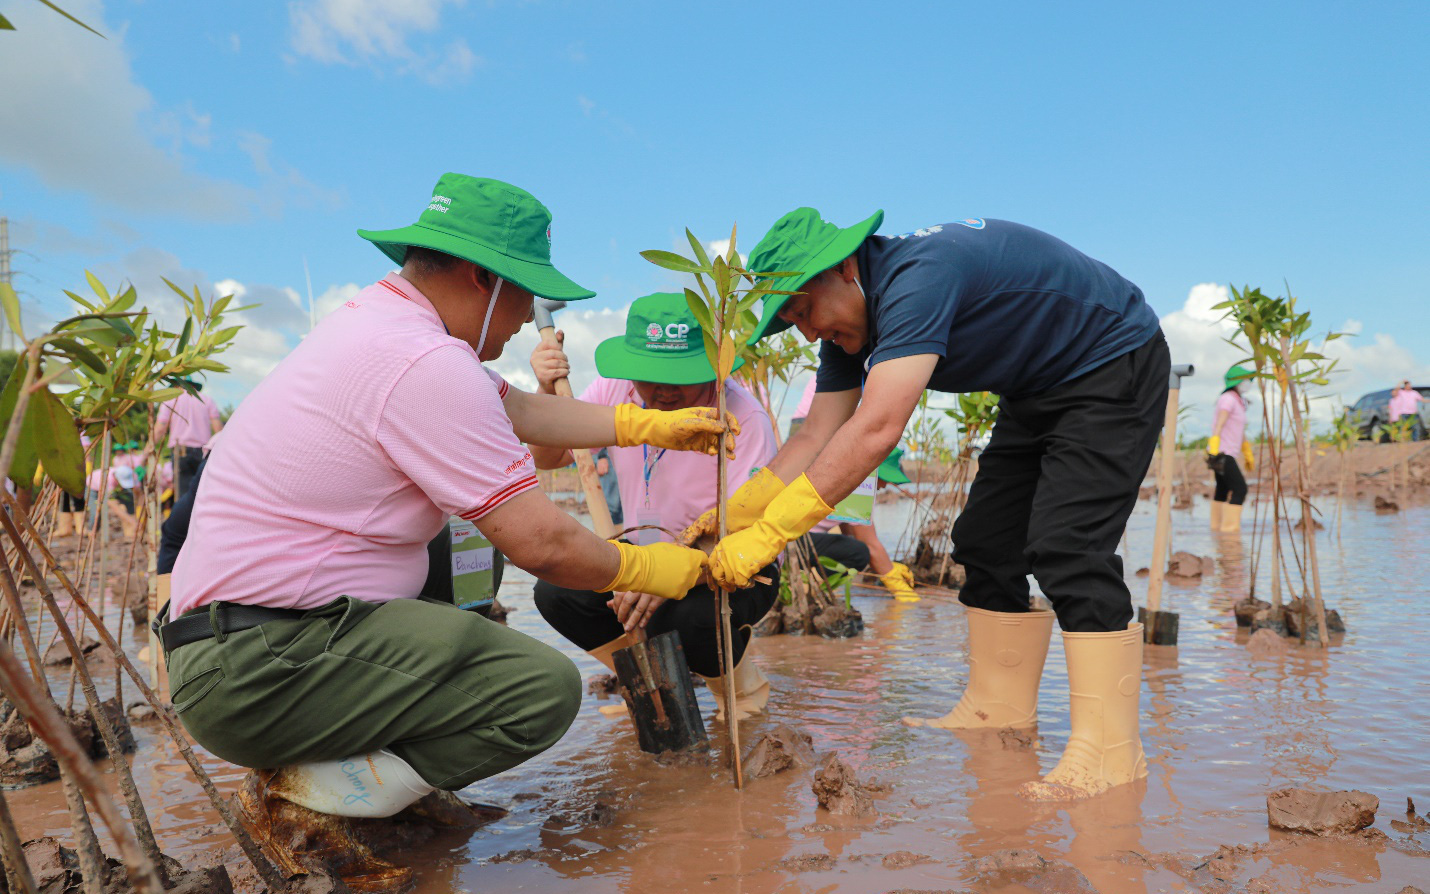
[
  {"x": 858, "y": 507},
  {"x": 647, "y": 516}
]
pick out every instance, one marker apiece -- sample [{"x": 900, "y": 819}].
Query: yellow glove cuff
[
  {"x": 638, "y": 572},
  {"x": 796, "y": 509},
  {"x": 631, "y": 424},
  {"x": 1214, "y": 445}
]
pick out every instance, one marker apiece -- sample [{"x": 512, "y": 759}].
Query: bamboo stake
[
  {"x": 81, "y": 775},
  {"x": 255, "y": 855},
  {"x": 726, "y": 640},
  {"x": 1304, "y": 487},
  {"x": 17, "y": 869}
]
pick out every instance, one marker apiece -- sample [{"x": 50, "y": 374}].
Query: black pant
[
  {"x": 583, "y": 618},
  {"x": 843, "y": 549},
  {"x": 71, "y": 504},
  {"x": 1230, "y": 485},
  {"x": 188, "y": 461},
  {"x": 1055, "y": 488}
]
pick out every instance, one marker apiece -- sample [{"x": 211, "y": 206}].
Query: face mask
[{"x": 496, "y": 295}]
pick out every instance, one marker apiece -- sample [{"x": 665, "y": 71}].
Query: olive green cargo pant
[{"x": 458, "y": 697}]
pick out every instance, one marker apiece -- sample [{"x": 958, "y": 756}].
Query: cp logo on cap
[
  {"x": 653, "y": 332},
  {"x": 677, "y": 331}
]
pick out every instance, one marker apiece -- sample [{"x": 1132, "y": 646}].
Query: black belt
[{"x": 228, "y": 617}]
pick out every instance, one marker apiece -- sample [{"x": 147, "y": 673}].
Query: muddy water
[{"x": 1221, "y": 728}]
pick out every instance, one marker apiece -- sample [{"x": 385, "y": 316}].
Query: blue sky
[{"x": 220, "y": 143}]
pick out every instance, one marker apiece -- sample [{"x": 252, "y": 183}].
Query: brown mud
[{"x": 1224, "y": 726}]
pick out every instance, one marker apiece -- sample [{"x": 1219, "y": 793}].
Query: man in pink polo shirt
[
  {"x": 299, "y": 645},
  {"x": 190, "y": 421}
]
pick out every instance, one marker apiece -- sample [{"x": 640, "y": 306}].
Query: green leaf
[
  {"x": 698, "y": 308},
  {"x": 72, "y": 18},
  {"x": 78, "y": 300},
  {"x": 11, "y": 301},
  {"x": 731, "y": 254},
  {"x": 727, "y": 357},
  {"x": 95, "y": 284},
  {"x": 80, "y": 354},
  {"x": 57, "y": 441},
  {"x": 224, "y": 336},
  {"x": 22, "y": 467},
  {"x": 700, "y": 254},
  {"x": 672, "y": 261},
  {"x": 220, "y": 304},
  {"x": 5, "y": 24},
  {"x": 125, "y": 300},
  {"x": 184, "y": 336}
]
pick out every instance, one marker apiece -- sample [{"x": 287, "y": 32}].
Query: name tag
[
  {"x": 471, "y": 565},
  {"x": 858, "y": 507}
]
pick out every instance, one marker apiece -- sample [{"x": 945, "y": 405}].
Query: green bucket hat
[
  {"x": 663, "y": 344},
  {"x": 492, "y": 224},
  {"x": 805, "y": 242},
  {"x": 1236, "y": 374},
  {"x": 890, "y": 471}
]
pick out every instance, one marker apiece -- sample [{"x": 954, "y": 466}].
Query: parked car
[{"x": 1371, "y": 414}]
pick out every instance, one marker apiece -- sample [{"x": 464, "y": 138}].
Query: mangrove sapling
[{"x": 720, "y": 307}]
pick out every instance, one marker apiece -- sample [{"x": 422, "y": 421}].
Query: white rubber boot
[
  {"x": 367, "y": 785},
  {"x": 752, "y": 688},
  {"x": 1006, "y": 652},
  {"x": 1105, "y": 748}
]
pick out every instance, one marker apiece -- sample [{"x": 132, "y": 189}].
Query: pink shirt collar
[{"x": 393, "y": 282}]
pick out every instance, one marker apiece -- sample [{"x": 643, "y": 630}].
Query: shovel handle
[{"x": 585, "y": 466}]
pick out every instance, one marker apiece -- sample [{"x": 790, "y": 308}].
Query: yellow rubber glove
[
  {"x": 660, "y": 569},
  {"x": 1249, "y": 455},
  {"x": 695, "y": 428},
  {"x": 746, "y": 505},
  {"x": 1214, "y": 445},
  {"x": 900, "y": 583},
  {"x": 741, "y": 555}
]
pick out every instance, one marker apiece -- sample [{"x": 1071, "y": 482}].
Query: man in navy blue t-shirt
[{"x": 1081, "y": 365}]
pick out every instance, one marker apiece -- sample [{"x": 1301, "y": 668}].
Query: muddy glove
[
  {"x": 1214, "y": 445},
  {"x": 900, "y": 583},
  {"x": 696, "y": 428},
  {"x": 660, "y": 569},
  {"x": 791, "y": 514},
  {"x": 1249, "y": 455},
  {"x": 746, "y": 505}
]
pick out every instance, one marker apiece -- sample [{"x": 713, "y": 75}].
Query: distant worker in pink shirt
[
  {"x": 299, "y": 644},
  {"x": 1227, "y": 440},
  {"x": 190, "y": 421},
  {"x": 1405, "y": 401}
]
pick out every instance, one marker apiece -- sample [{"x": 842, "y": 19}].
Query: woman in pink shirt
[
  {"x": 660, "y": 363},
  {"x": 1227, "y": 439},
  {"x": 1405, "y": 401}
]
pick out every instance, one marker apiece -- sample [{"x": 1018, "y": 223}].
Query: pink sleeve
[
  {"x": 1227, "y": 402},
  {"x": 214, "y": 412},
  {"x": 502, "y": 387},
  {"x": 754, "y": 445},
  {"x": 166, "y": 412},
  {"x": 444, "y": 426}
]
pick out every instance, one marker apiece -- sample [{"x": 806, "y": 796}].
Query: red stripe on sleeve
[{"x": 500, "y": 497}]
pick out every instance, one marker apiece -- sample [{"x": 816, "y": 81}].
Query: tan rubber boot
[
  {"x": 1231, "y": 519},
  {"x": 752, "y": 688},
  {"x": 605, "y": 654},
  {"x": 1105, "y": 748},
  {"x": 64, "y": 525},
  {"x": 296, "y": 837},
  {"x": 1218, "y": 512},
  {"x": 1006, "y": 652}
]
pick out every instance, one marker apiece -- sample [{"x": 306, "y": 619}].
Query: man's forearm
[
  {"x": 855, "y": 451},
  {"x": 545, "y": 420}
]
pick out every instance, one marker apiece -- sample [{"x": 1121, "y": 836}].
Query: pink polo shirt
[
  {"x": 190, "y": 419},
  {"x": 682, "y": 483},
  {"x": 1403, "y": 403},
  {"x": 805, "y": 401},
  {"x": 347, "y": 459},
  {"x": 1234, "y": 405}
]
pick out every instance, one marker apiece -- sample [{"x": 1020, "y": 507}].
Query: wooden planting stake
[{"x": 1159, "y": 627}]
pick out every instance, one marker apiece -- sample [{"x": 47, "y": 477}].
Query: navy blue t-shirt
[{"x": 1008, "y": 308}]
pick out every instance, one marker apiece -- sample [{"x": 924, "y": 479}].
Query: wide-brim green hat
[
  {"x": 890, "y": 471},
  {"x": 495, "y": 225},
  {"x": 663, "y": 344},
  {"x": 806, "y": 243},
  {"x": 1235, "y": 375}
]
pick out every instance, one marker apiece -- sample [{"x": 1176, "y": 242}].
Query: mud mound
[
  {"x": 56, "y": 871},
  {"x": 782, "y": 748},
  {"x": 837, "y": 789},
  {"x": 1188, "y": 566},
  {"x": 1320, "y": 813},
  {"x": 1029, "y": 870},
  {"x": 1265, "y": 643},
  {"x": 26, "y": 760}
]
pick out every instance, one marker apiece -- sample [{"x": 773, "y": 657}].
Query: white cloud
[
  {"x": 380, "y": 33},
  {"x": 88, "y": 125},
  {"x": 1197, "y": 334}
]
